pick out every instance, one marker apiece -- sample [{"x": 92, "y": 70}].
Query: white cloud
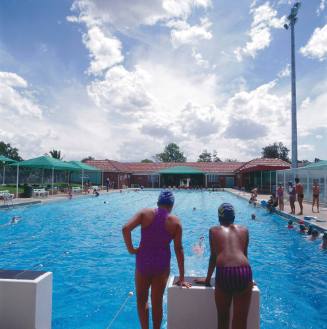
[
  {"x": 322, "y": 7},
  {"x": 264, "y": 20},
  {"x": 199, "y": 122},
  {"x": 105, "y": 50},
  {"x": 199, "y": 60},
  {"x": 15, "y": 97},
  {"x": 285, "y": 72},
  {"x": 122, "y": 92},
  {"x": 184, "y": 34},
  {"x": 316, "y": 48}
]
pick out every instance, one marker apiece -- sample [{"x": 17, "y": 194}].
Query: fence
[{"x": 307, "y": 178}]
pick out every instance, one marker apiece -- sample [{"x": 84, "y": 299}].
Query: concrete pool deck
[
  {"x": 17, "y": 202},
  {"x": 307, "y": 209}
]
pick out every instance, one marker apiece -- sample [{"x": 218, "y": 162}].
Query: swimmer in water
[
  {"x": 198, "y": 248},
  {"x": 302, "y": 229},
  {"x": 310, "y": 229},
  {"x": 194, "y": 209},
  {"x": 314, "y": 235},
  {"x": 290, "y": 224},
  {"x": 96, "y": 193},
  {"x": 324, "y": 241},
  {"x": 15, "y": 220},
  {"x": 253, "y": 217}
]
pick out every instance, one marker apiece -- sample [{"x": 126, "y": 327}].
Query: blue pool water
[{"x": 80, "y": 242}]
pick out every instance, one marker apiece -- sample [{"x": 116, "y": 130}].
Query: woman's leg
[
  {"x": 241, "y": 306},
  {"x": 158, "y": 287},
  {"x": 142, "y": 284},
  {"x": 223, "y": 303}
]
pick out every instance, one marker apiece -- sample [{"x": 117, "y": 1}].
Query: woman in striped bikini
[
  {"x": 158, "y": 228},
  {"x": 229, "y": 244}
]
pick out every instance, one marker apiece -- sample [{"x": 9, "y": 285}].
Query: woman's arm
[
  {"x": 179, "y": 251},
  {"x": 127, "y": 232}
]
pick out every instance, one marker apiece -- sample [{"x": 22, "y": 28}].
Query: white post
[
  {"x": 308, "y": 188},
  {"x": 52, "y": 181},
  {"x": 4, "y": 173},
  {"x": 102, "y": 179},
  {"x": 82, "y": 180},
  {"x": 17, "y": 181}
]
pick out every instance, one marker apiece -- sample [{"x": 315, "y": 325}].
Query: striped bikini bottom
[{"x": 233, "y": 279}]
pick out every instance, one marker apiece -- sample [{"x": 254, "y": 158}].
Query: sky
[{"x": 121, "y": 79}]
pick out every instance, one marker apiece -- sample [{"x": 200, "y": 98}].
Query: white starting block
[
  {"x": 25, "y": 299},
  {"x": 195, "y": 308}
]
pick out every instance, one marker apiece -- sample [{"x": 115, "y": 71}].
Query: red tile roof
[
  {"x": 263, "y": 164},
  {"x": 137, "y": 167}
]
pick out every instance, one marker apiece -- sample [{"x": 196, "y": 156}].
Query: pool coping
[{"x": 280, "y": 213}]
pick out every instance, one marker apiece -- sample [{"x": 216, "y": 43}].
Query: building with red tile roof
[{"x": 204, "y": 174}]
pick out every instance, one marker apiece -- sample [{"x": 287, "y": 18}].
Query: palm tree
[{"x": 56, "y": 154}]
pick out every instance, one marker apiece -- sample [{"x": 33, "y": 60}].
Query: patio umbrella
[
  {"x": 5, "y": 161},
  {"x": 83, "y": 167},
  {"x": 44, "y": 162}
]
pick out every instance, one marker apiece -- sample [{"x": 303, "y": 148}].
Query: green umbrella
[
  {"x": 5, "y": 161},
  {"x": 83, "y": 167},
  {"x": 44, "y": 162}
]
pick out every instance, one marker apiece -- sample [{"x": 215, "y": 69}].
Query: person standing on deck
[
  {"x": 280, "y": 196},
  {"x": 158, "y": 228},
  {"x": 292, "y": 197},
  {"x": 315, "y": 195},
  {"x": 300, "y": 194},
  {"x": 108, "y": 183}
]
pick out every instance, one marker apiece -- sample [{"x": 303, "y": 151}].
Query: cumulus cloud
[
  {"x": 199, "y": 60},
  {"x": 122, "y": 92},
  {"x": 199, "y": 121},
  {"x": 246, "y": 129},
  {"x": 316, "y": 48},
  {"x": 265, "y": 18},
  {"x": 105, "y": 50},
  {"x": 184, "y": 34},
  {"x": 258, "y": 112},
  {"x": 15, "y": 97}
]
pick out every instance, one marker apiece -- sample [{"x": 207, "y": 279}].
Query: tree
[
  {"x": 276, "y": 150},
  {"x": 171, "y": 153},
  {"x": 56, "y": 154},
  {"x": 231, "y": 160},
  {"x": 10, "y": 152},
  {"x": 146, "y": 161},
  {"x": 88, "y": 158},
  {"x": 215, "y": 157},
  {"x": 205, "y": 156}
]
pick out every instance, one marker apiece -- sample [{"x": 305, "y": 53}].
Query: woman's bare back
[{"x": 230, "y": 243}]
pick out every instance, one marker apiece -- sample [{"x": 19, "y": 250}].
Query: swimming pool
[{"x": 80, "y": 242}]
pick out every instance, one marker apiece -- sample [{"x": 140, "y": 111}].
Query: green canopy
[
  {"x": 320, "y": 165},
  {"x": 4, "y": 159},
  {"x": 181, "y": 170},
  {"x": 83, "y": 166},
  {"x": 46, "y": 162}
]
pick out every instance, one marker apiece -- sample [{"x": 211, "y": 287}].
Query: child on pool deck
[{"x": 229, "y": 245}]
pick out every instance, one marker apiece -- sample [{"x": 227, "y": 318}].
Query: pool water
[{"x": 80, "y": 241}]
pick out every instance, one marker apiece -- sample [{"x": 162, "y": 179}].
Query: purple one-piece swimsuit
[{"x": 153, "y": 257}]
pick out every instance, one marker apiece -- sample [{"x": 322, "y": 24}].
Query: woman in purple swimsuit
[
  {"x": 158, "y": 229},
  {"x": 229, "y": 245}
]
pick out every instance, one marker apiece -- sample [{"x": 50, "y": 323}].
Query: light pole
[{"x": 292, "y": 19}]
